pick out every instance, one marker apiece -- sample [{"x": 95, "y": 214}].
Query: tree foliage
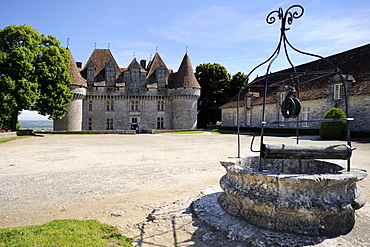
[
  {"x": 34, "y": 75},
  {"x": 333, "y": 130},
  {"x": 218, "y": 87}
]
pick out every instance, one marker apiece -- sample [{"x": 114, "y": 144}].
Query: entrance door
[{"x": 135, "y": 127}]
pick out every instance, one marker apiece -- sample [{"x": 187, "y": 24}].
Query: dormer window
[
  {"x": 90, "y": 71},
  {"x": 135, "y": 72},
  {"x": 110, "y": 74},
  {"x": 161, "y": 75}
]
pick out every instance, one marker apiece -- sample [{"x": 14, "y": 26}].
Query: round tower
[
  {"x": 185, "y": 107},
  {"x": 72, "y": 121},
  {"x": 185, "y": 92}
]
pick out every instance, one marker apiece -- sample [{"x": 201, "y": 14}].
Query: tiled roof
[
  {"x": 100, "y": 58},
  {"x": 75, "y": 72},
  {"x": 355, "y": 62},
  {"x": 184, "y": 77}
]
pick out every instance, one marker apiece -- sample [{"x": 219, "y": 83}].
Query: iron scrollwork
[{"x": 286, "y": 18}]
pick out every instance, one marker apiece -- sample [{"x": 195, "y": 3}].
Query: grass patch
[
  {"x": 7, "y": 139},
  {"x": 64, "y": 233},
  {"x": 189, "y": 132}
]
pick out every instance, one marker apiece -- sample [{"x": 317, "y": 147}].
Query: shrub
[{"x": 334, "y": 130}]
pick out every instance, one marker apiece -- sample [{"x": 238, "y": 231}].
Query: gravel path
[{"x": 121, "y": 179}]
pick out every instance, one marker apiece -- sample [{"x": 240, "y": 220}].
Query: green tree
[
  {"x": 218, "y": 87},
  {"x": 34, "y": 75},
  {"x": 213, "y": 79},
  {"x": 236, "y": 82}
]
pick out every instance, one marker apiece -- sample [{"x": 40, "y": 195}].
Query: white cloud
[
  {"x": 333, "y": 32},
  {"x": 31, "y": 115},
  {"x": 207, "y": 27}
]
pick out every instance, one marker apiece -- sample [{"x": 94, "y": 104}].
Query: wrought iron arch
[{"x": 295, "y": 78}]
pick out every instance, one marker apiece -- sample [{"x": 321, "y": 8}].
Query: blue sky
[{"x": 232, "y": 33}]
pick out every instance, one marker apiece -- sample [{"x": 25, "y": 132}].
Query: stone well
[{"x": 301, "y": 196}]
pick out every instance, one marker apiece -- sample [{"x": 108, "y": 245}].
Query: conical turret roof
[
  {"x": 185, "y": 76},
  {"x": 77, "y": 79}
]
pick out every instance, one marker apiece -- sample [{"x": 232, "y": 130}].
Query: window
[
  {"x": 135, "y": 77},
  {"x": 90, "y": 75},
  {"x": 160, "y": 105},
  {"x": 161, "y": 75},
  {"x": 109, "y": 123},
  {"x": 249, "y": 100},
  {"x": 281, "y": 117},
  {"x": 90, "y": 123},
  {"x": 249, "y": 117},
  {"x": 134, "y": 105},
  {"x": 90, "y": 105},
  {"x": 134, "y": 120},
  {"x": 159, "y": 122},
  {"x": 337, "y": 91},
  {"x": 282, "y": 98},
  {"x": 110, "y": 105},
  {"x": 90, "y": 71},
  {"x": 305, "y": 115},
  {"x": 110, "y": 74}
]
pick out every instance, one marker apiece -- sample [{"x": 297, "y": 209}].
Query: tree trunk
[{"x": 14, "y": 120}]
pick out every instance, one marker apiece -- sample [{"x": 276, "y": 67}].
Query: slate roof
[
  {"x": 354, "y": 62},
  {"x": 100, "y": 58},
  {"x": 153, "y": 65},
  {"x": 184, "y": 77},
  {"x": 135, "y": 62},
  {"x": 77, "y": 79}
]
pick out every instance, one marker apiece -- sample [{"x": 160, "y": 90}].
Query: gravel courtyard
[{"x": 121, "y": 179}]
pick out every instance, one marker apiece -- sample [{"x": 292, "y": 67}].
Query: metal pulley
[{"x": 291, "y": 106}]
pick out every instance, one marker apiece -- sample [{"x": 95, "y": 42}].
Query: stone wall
[
  {"x": 126, "y": 132},
  {"x": 16, "y": 133},
  {"x": 358, "y": 108},
  {"x": 8, "y": 134},
  {"x": 179, "y": 109}
]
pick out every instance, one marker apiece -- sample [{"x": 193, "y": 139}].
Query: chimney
[
  {"x": 79, "y": 65},
  {"x": 143, "y": 63}
]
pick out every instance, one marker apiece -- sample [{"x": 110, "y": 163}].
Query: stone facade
[
  {"x": 316, "y": 98},
  {"x": 138, "y": 97}
]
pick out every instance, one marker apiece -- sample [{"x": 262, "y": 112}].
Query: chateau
[{"x": 141, "y": 97}]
